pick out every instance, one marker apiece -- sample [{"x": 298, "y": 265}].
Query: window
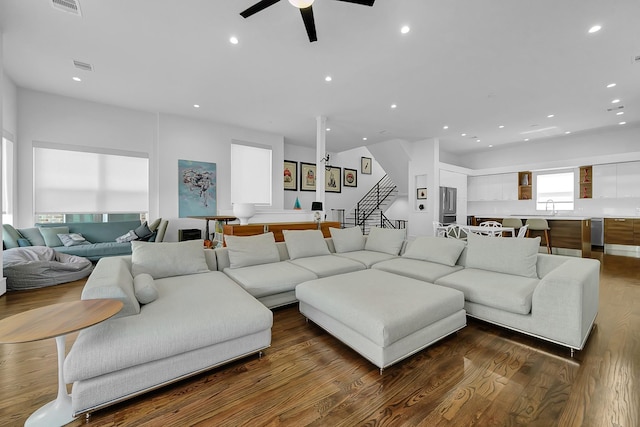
[
  {"x": 83, "y": 184},
  {"x": 251, "y": 174},
  {"x": 554, "y": 191},
  {"x": 7, "y": 181}
]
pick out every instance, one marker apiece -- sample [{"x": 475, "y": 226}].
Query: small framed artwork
[
  {"x": 332, "y": 183},
  {"x": 307, "y": 176},
  {"x": 290, "y": 175},
  {"x": 350, "y": 178},
  {"x": 421, "y": 193},
  {"x": 365, "y": 165}
]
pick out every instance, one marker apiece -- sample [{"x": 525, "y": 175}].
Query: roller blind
[
  {"x": 554, "y": 191},
  {"x": 250, "y": 174},
  {"x": 81, "y": 181}
]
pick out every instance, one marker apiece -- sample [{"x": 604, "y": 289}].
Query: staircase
[{"x": 368, "y": 212}]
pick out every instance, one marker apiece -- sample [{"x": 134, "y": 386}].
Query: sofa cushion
[
  {"x": 328, "y": 265},
  {"x": 112, "y": 279},
  {"x": 10, "y": 236},
  {"x": 50, "y": 235},
  {"x": 144, "y": 288},
  {"x": 95, "y": 251},
  {"x": 385, "y": 240},
  {"x": 368, "y": 258},
  {"x": 33, "y": 235},
  {"x": 503, "y": 254},
  {"x": 347, "y": 239},
  {"x": 435, "y": 249},
  {"x": 269, "y": 279},
  {"x": 416, "y": 269},
  {"x": 252, "y": 250},
  {"x": 305, "y": 243},
  {"x": 499, "y": 290},
  {"x": 168, "y": 259},
  {"x": 142, "y": 231},
  {"x": 72, "y": 239}
]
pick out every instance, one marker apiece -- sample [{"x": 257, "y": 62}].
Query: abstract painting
[{"x": 196, "y": 188}]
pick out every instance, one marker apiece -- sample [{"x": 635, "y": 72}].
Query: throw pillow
[
  {"x": 145, "y": 288},
  {"x": 128, "y": 237},
  {"x": 347, "y": 239},
  {"x": 305, "y": 243},
  {"x": 168, "y": 259},
  {"x": 503, "y": 254},
  {"x": 154, "y": 224},
  {"x": 385, "y": 240},
  {"x": 435, "y": 249},
  {"x": 50, "y": 235},
  {"x": 143, "y": 231},
  {"x": 252, "y": 250},
  {"x": 72, "y": 239}
]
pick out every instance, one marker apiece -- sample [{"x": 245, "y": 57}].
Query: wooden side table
[{"x": 57, "y": 321}]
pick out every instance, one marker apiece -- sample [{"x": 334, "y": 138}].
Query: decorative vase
[
  {"x": 296, "y": 205},
  {"x": 244, "y": 211}
]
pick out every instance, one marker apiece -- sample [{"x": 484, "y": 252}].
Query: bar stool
[
  {"x": 516, "y": 223},
  {"x": 541, "y": 224}
]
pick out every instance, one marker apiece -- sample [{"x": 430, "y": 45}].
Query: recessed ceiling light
[
  {"x": 526, "y": 139},
  {"x": 364, "y": 138},
  {"x": 501, "y": 127},
  {"x": 595, "y": 29},
  {"x": 477, "y": 140},
  {"x": 76, "y": 79},
  {"x": 619, "y": 113},
  {"x": 445, "y": 127},
  {"x": 615, "y": 101},
  {"x": 610, "y": 85},
  {"x": 491, "y": 146},
  {"x": 394, "y": 106},
  {"x": 622, "y": 123},
  {"x": 405, "y": 29},
  {"x": 463, "y": 134},
  {"x": 551, "y": 116},
  {"x": 567, "y": 132},
  {"x": 328, "y": 79},
  {"x": 196, "y": 105},
  {"x": 328, "y": 129},
  {"x": 233, "y": 40}
]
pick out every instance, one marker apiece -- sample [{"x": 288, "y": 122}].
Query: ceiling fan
[{"x": 305, "y": 10}]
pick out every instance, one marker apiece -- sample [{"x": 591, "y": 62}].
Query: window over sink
[{"x": 554, "y": 191}]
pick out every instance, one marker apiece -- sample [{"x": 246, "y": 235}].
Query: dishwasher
[{"x": 597, "y": 232}]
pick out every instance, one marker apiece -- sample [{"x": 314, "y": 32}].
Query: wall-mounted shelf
[
  {"x": 524, "y": 185},
  {"x": 586, "y": 182}
]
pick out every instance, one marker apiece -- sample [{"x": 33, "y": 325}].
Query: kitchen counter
[{"x": 570, "y": 235}]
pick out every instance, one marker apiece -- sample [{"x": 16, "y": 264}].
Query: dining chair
[
  {"x": 439, "y": 230},
  {"x": 454, "y": 231},
  {"x": 541, "y": 224},
  {"x": 516, "y": 223},
  {"x": 523, "y": 231},
  {"x": 489, "y": 225}
]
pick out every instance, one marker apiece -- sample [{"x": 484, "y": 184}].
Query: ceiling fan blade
[
  {"x": 261, "y": 5},
  {"x": 362, "y": 2},
  {"x": 309, "y": 23}
]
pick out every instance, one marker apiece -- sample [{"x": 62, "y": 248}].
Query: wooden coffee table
[{"x": 56, "y": 321}]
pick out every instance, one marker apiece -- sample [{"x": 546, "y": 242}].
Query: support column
[{"x": 321, "y": 151}]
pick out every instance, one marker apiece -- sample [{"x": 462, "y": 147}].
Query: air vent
[
  {"x": 82, "y": 65},
  {"x": 619, "y": 107},
  {"x": 636, "y": 59},
  {"x": 69, "y": 6}
]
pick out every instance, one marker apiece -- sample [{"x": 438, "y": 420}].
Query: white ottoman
[{"x": 382, "y": 316}]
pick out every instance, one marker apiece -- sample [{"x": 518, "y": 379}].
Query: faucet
[{"x": 553, "y": 206}]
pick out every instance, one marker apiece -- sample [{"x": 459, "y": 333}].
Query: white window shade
[
  {"x": 555, "y": 191},
  {"x": 67, "y": 181},
  {"x": 250, "y": 174}
]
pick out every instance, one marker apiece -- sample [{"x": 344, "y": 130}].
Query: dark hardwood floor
[{"x": 482, "y": 376}]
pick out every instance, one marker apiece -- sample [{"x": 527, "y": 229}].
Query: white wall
[
  {"x": 425, "y": 157},
  {"x": 459, "y": 181},
  {"x": 9, "y": 107},
  {"x": 188, "y": 139}
]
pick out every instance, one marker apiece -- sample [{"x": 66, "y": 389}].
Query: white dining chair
[
  {"x": 454, "y": 231},
  {"x": 522, "y": 232},
  {"x": 439, "y": 230},
  {"x": 489, "y": 225}
]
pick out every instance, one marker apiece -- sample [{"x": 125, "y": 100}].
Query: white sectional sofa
[{"x": 211, "y": 305}]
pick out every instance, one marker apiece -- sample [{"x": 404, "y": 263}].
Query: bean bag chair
[{"x": 39, "y": 266}]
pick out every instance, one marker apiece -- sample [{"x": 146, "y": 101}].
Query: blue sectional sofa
[{"x": 100, "y": 237}]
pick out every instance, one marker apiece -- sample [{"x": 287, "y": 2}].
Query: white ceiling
[{"x": 472, "y": 65}]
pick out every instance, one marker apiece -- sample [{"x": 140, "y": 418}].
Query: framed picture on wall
[
  {"x": 307, "y": 176},
  {"x": 290, "y": 176},
  {"x": 332, "y": 183},
  {"x": 421, "y": 193},
  {"x": 350, "y": 178},
  {"x": 365, "y": 165}
]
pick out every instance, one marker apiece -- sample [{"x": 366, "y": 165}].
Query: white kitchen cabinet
[
  {"x": 473, "y": 187},
  {"x": 510, "y": 186},
  {"x": 628, "y": 179},
  {"x": 604, "y": 181},
  {"x": 493, "y": 187}
]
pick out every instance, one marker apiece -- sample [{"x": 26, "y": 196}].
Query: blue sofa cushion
[
  {"x": 95, "y": 251},
  {"x": 96, "y": 232}
]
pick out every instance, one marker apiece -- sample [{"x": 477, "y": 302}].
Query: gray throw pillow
[
  {"x": 305, "y": 243},
  {"x": 33, "y": 235},
  {"x": 168, "y": 259},
  {"x": 503, "y": 254},
  {"x": 72, "y": 239},
  {"x": 127, "y": 237},
  {"x": 435, "y": 249},
  {"x": 347, "y": 239},
  {"x": 385, "y": 240},
  {"x": 252, "y": 250},
  {"x": 144, "y": 288},
  {"x": 143, "y": 232}
]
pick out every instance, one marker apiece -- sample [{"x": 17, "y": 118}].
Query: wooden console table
[{"x": 277, "y": 227}]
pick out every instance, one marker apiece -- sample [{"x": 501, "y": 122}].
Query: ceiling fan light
[{"x": 301, "y": 4}]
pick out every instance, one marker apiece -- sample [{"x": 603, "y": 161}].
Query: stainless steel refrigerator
[{"x": 448, "y": 205}]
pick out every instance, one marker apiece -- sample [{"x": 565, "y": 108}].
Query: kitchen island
[{"x": 570, "y": 235}]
